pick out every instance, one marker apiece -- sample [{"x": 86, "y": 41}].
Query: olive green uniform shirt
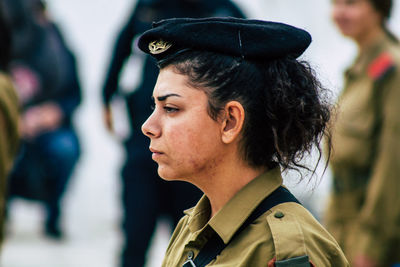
[
  {"x": 9, "y": 137},
  {"x": 292, "y": 233},
  {"x": 364, "y": 211}
]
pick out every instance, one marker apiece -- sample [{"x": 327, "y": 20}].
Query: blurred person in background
[
  {"x": 145, "y": 197},
  {"x": 9, "y": 116},
  {"x": 364, "y": 210},
  {"x": 45, "y": 74}
]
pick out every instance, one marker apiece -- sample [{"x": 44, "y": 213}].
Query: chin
[
  {"x": 170, "y": 175},
  {"x": 348, "y": 34},
  {"x": 166, "y": 175},
  {"x": 346, "y": 31}
]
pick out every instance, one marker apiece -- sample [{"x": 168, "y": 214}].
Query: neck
[
  {"x": 223, "y": 183},
  {"x": 365, "y": 41}
]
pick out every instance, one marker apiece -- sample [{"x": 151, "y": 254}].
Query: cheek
[
  {"x": 194, "y": 147},
  {"x": 358, "y": 18},
  {"x": 191, "y": 143}
]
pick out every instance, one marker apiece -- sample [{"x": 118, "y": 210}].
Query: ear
[{"x": 233, "y": 121}]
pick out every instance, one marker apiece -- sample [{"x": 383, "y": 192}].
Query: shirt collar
[
  {"x": 199, "y": 214},
  {"x": 362, "y": 61},
  {"x": 233, "y": 214}
]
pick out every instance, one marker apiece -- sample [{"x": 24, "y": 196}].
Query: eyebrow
[{"x": 164, "y": 97}]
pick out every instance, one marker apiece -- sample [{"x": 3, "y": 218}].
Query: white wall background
[{"x": 92, "y": 203}]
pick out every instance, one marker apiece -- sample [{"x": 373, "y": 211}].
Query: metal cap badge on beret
[{"x": 249, "y": 39}]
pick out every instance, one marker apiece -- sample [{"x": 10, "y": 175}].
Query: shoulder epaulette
[
  {"x": 288, "y": 238},
  {"x": 380, "y": 66}
]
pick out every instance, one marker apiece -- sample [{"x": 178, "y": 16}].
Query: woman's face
[
  {"x": 184, "y": 139},
  {"x": 355, "y": 18}
]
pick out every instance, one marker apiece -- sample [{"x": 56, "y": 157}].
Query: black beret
[{"x": 249, "y": 39}]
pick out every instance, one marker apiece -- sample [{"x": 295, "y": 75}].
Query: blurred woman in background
[{"x": 364, "y": 211}]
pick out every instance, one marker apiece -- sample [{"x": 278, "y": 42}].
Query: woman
[
  {"x": 141, "y": 188},
  {"x": 232, "y": 106},
  {"x": 364, "y": 213}
]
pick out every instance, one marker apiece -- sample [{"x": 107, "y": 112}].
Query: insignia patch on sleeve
[{"x": 380, "y": 66}]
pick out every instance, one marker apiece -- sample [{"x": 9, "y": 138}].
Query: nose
[{"x": 150, "y": 127}]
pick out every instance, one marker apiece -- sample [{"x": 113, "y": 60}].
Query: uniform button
[
  {"x": 279, "y": 214},
  {"x": 190, "y": 254}
]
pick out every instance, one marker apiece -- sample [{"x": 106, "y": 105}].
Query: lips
[
  {"x": 342, "y": 23},
  {"x": 156, "y": 153}
]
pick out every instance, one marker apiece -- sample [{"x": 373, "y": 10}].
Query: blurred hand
[
  {"x": 364, "y": 261},
  {"x": 39, "y": 119},
  {"x": 29, "y": 126},
  {"x": 51, "y": 116},
  {"x": 108, "y": 121}
]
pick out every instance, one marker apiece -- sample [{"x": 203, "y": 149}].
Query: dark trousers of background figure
[
  {"x": 146, "y": 197},
  {"x": 43, "y": 169}
]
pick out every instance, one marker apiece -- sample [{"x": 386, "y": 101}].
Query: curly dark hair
[{"x": 285, "y": 108}]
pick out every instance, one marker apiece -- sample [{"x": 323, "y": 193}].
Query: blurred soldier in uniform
[
  {"x": 364, "y": 211},
  {"x": 144, "y": 196},
  {"x": 46, "y": 78},
  {"x": 9, "y": 116}
]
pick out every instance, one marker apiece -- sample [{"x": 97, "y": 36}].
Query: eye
[{"x": 169, "y": 109}]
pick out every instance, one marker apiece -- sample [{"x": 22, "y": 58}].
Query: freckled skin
[{"x": 188, "y": 138}]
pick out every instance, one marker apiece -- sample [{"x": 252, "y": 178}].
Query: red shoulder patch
[
  {"x": 271, "y": 263},
  {"x": 380, "y": 66}
]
